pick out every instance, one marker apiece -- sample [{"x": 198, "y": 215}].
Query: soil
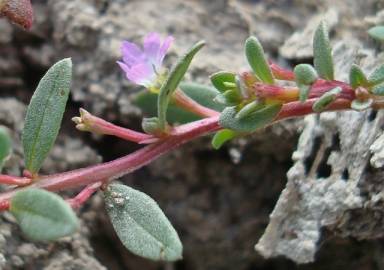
[{"x": 218, "y": 201}]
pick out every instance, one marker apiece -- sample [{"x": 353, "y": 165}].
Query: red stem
[
  {"x": 297, "y": 108},
  {"x": 189, "y": 104},
  {"x": 320, "y": 87},
  {"x": 91, "y": 123},
  {"x": 84, "y": 195},
  {"x": 13, "y": 180}
]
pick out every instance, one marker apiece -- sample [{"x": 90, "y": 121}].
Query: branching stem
[{"x": 93, "y": 175}]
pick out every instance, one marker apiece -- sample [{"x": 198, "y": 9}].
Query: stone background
[{"x": 219, "y": 201}]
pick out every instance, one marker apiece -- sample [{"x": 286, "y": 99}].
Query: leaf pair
[
  {"x": 43, "y": 215},
  {"x": 322, "y": 54},
  {"x": 227, "y": 83},
  {"x": 375, "y": 81}
]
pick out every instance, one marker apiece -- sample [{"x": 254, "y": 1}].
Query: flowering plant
[{"x": 236, "y": 105}]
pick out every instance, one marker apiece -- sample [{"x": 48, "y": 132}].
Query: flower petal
[
  {"x": 152, "y": 48},
  {"x": 140, "y": 66},
  {"x": 123, "y": 66},
  {"x": 141, "y": 73},
  {"x": 164, "y": 48},
  {"x": 132, "y": 54}
]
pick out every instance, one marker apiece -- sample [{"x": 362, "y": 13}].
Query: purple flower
[{"x": 142, "y": 66}]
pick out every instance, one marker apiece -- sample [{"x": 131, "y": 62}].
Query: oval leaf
[
  {"x": 361, "y": 105},
  {"x": 322, "y": 52},
  {"x": 222, "y": 137},
  {"x": 377, "y": 76},
  {"x": 43, "y": 215},
  {"x": 150, "y": 125},
  {"x": 253, "y": 121},
  {"x": 378, "y": 89},
  {"x": 305, "y": 74},
  {"x": 249, "y": 109},
  {"x": 326, "y": 99},
  {"x": 44, "y": 114},
  {"x": 141, "y": 225},
  {"x": 256, "y": 58},
  {"x": 172, "y": 81},
  {"x": 377, "y": 32},
  {"x": 357, "y": 77},
  {"x": 202, "y": 94},
  {"x": 228, "y": 98},
  {"x": 221, "y": 79}
]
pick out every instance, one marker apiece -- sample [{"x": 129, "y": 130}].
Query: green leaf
[
  {"x": 141, "y": 225},
  {"x": 172, "y": 81},
  {"x": 378, "y": 89},
  {"x": 147, "y": 102},
  {"x": 202, "y": 94},
  {"x": 322, "y": 52},
  {"x": 220, "y": 79},
  {"x": 357, "y": 77},
  {"x": 150, "y": 125},
  {"x": 253, "y": 121},
  {"x": 222, "y": 136},
  {"x": 326, "y": 99},
  {"x": 377, "y": 32},
  {"x": 242, "y": 88},
  {"x": 361, "y": 105},
  {"x": 44, "y": 114},
  {"x": 303, "y": 92},
  {"x": 43, "y": 215},
  {"x": 256, "y": 58},
  {"x": 377, "y": 76},
  {"x": 249, "y": 109},
  {"x": 5, "y": 145},
  {"x": 228, "y": 98},
  {"x": 305, "y": 76}
]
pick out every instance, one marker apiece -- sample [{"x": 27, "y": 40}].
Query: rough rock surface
[
  {"x": 219, "y": 201},
  {"x": 334, "y": 182}
]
